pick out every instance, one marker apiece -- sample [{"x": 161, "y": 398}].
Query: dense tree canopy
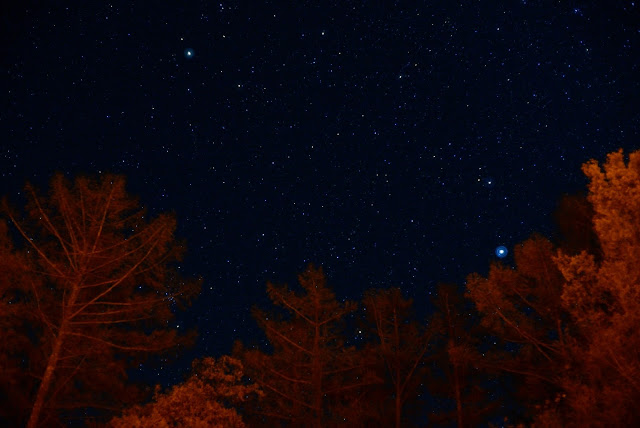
[{"x": 602, "y": 295}]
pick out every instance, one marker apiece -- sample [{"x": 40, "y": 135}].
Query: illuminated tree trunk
[
  {"x": 43, "y": 389},
  {"x": 52, "y": 364}
]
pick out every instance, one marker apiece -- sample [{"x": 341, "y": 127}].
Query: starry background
[{"x": 394, "y": 143}]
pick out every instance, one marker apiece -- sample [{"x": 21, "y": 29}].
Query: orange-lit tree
[
  {"x": 521, "y": 308},
  {"x": 202, "y": 401},
  {"x": 310, "y": 369},
  {"x": 100, "y": 284},
  {"x": 602, "y": 294},
  {"x": 400, "y": 345}
]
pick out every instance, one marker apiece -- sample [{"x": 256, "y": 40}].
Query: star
[
  {"x": 501, "y": 251},
  {"x": 488, "y": 182},
  {"x": 188, "y": 53}
]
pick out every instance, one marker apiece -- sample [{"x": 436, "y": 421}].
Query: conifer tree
[
  {"x": 521, "y": 308},
  {"x": 101, "y": 286},
  {"x": 309, "y": 373},
  {"x": 15, "y": 318},
  {"x": 460, "y": 372},
  {"x": 400, "y": 344}
]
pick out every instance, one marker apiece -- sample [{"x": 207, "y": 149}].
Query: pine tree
[
  {"x": 400, "y": 345},
  {"x": 101, "y": 287},
  {"x": 521, "y": 308},
  {"x": 306, "y": 377}
]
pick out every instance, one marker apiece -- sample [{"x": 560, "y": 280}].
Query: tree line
[{"x": 551, "y": 340}]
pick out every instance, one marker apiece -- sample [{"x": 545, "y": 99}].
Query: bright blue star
[
  {"x": 188, "y": 53},
  {"x": 502, "y": 251},
  {"x": 488, "y": 182}
]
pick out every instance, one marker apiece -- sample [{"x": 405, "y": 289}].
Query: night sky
[{"x": 393, "y": 143}]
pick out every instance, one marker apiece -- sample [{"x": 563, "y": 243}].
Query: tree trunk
[
  {"x": 398, "y": 408},
  {"x": 52, "y": 364},
  {"x": 396, "y": 340},
  {"x": 456, "y": 377},
  {"x": 316, "y": 375},
  {"x": 43, "y": 389},
  {"x": 455, "y": 363}
]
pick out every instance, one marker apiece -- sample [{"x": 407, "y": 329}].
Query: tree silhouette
[
  {"x": 310, "y": 369},
  {"x": 400, "y": 346},
  {"x": 203, "y": 401},
  {"x": 457, "y": 375},
  {"x": 602, "y": 294},
  {"x": 100, "y": 287},
  {"x": 574, "y": 220},
  {"x": 15, "y": 318}
]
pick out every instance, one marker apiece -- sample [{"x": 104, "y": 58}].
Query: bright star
[
  {"x": 501, "y": 251},
  {"x": 488, "y": 182}
]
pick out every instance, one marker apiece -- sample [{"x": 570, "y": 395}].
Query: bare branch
[
  {"x": 286, "y": 339},
  {"x": 288, "y": 305},
  {"x": 35, "y": 247},
  {"x": 115, "y": 284},
  {"x": 106, "y": 322},
  {"x": 53, "y": 229},
  {"x": 104, "y": 217},
  {"x": 115, "y": 345}
]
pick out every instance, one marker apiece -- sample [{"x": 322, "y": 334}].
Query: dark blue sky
[{"x": 393, "y": 143}]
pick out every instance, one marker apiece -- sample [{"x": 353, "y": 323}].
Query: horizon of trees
[{"x": 550, "y": 341}]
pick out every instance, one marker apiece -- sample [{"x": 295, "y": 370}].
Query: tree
[
  {"x": 574, "y": 220},
  {"x": 521, "y": 308},
  {"x": 400, "y": 347},
  {"x": 602, "y": 295},
  {"x": 203, "y": 401},
  {"x": 15, "y": 345},
  {"x": 101, "y": 286},
  {"x": 570, "y": 316},
  {"x": 456, "y": 375},
  {"x": 310, "y": 369}
]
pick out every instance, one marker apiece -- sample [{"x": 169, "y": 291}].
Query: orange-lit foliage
[
  {"x": 602, "y": 294},
  {"x": 310, "y": 370},
  {"x": 203, "y": 401},
  {"x": 522, "y": 308},
  {"x": 100, "y": 288},
  {"x": 399, "y": 346}
]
